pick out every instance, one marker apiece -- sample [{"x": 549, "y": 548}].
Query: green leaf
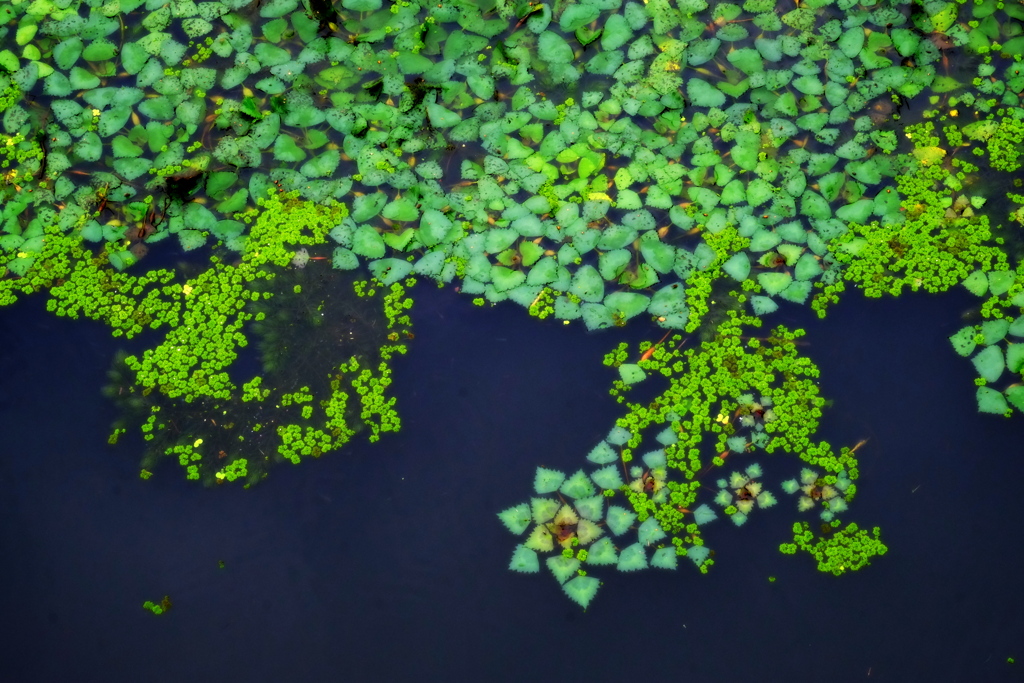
[
  {"x": 976, "y": 283},
  {"x": 366, "y": 206},
  {"x": 552, "y": 48},
  {"x": 786, "y": 104},
  {"x": 113, "y": 120},
  {"x": 762, "y": 305},
  {"x": 669, "y": 300},
  {"x": 99, "y": 51},
  {"x": 157, "y": 108},
  {"x": 942, "y": 16},
  {"x": 441, "y": 117},
  {"x": 505, "y": 279},
  {"x": 82, "y": 79},
  {"x": 802, "y": 19},
  {"x": 994, "y": 330},
  {"x": 738, "y": 266},
  {"x": 434, "y": 227},
  {"x": 617, "y": 32},
  {"x": 279, "y": 8},
  {"x": 627, "y": 304},
  {"x": 1000, "y": 281},
  {"x": 605, "y": 63},
  {"x": 928, "y": 156},
  {"x": 867, "y": 171},
  {"x": 122, "y": 147},
  {"x": 807, "y": 268},
  {"x": 57, "y": 85},
  {"x": 367, "y": 242},
  {"x": 774, "y": 283},
  {"x": 251, "y": 107},
  {"x": 530, "y": 253},
  {"x": 991, "y": 401},
  {"x": 763, "y": 240},
  {"x": 905, "y": 40},
  {"x": 858, "y": 212},
  {"x": 813, "y": 122},
  {"x": 89, "y": 147},
  {"x": 851, "y": 150},
  {"x": 401, "y": 210},
  {"x": 705, "y": 197},
  {"x": 746, "y": 59},
  {"x": 963, "y": 341},
  {"x": 813, "y": 205},
  {"x": 659, "y": 255},
  {"x": 1017, "y": 327},
  {"x": 121, "y": 260},
  {"x": 588, "y": 284},
  {"x": 631, "y": 373},
  {"x": 703, "y": 94},
  {"x": 745, "y": 149},
  {"x": 797, "y": 292},
  {"x": 612, "y": 263},
  {"x": 191, "y": 239},
  {"x": 703, "y": 50},
  {"x": 732, "y": 33},
  {"x": 195, "y": 27},
  {"x": 410, "y": 63},
  {"x": 851, "y": 42},
  {"x": 343, "y": 259},
  {"x": 390, "y": 270},
  {"x": 399, "y": 241},
  {"x": 759, "y": 191},
  {"x": 576, "y": 16},
  {"x": 989, "y": 363},
  {"x": 285, "y": 149},
  {"x": 322, "y": 165},
  {"x": 67, "y": 52},
  {"x": 1015, "y": 395},
  {"x": 809, "y": 85}
]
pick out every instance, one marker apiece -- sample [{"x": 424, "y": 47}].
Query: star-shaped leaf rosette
[
  {"x": 569, "y": 523},
  {"x": 830, "y": 492},
  {"x": 562, "y": 523},
  {"x": 659, "y": 476}
]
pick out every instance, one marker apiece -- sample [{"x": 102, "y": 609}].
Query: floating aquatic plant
[
  {"x": 693, "y": 165},
  {"x": 734, "y": 395}
]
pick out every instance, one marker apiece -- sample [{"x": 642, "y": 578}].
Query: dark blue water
[{"x": 385, "y": 562}]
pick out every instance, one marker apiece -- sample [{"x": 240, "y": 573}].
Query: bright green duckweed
[{"x": 838, "y": 550}]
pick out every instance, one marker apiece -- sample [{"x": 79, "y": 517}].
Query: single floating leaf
[
  {"x": 602, "y": 454},
  {"x": 582, "y": 589},
  {"x": 577, "y": 486},
  {"x": 441, "y": 117},
  {"x": 516, "y": 519},
  {"x": 619, "y": 519},
  {"x": 547, "y": 481},
  {"x": 991, "y": 401},
  {"x": 632, "y": 558},
  {"x": 703, "y": 94},
  {"x": 631, "y": 373},
  {"x": 774, "y": 283},
  {"x": 976, "y": 283},
  {"x": 524, "y": 560},
  {"x": 989, "y": 363},
  {"x": 738, "y": 266},
  {"x": 552, "y": 48},
  {"x": 963, "y": 341}
]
